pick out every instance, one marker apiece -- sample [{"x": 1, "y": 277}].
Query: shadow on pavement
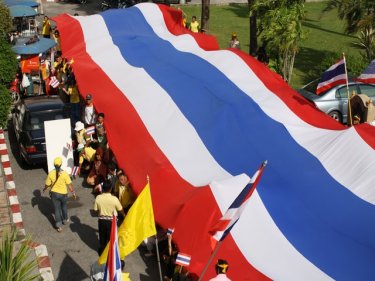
[
  {"x": 44, "y": 205},
  {"x": 70, "y": 270},
  {"x": 85, "y": 232}
]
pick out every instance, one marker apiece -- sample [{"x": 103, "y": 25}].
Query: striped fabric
[{"x": 197, "y": 120}]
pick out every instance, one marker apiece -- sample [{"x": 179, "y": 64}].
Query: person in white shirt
[{"x": 89, "y": 117}]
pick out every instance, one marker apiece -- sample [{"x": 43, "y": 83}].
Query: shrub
[{"x": 5, "y": 105}]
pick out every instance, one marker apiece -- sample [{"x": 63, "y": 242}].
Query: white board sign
[{"x": 59, "y": 143}]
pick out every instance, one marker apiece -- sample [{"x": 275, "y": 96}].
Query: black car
[{"x": 28, "y": 122}]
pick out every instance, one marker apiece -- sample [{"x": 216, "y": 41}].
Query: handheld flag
[
  {"x": 54, "y": 83},
  {"x": 368, "y": 75},
  {"x": 170, "y": 231},
  {"x": 183, "y": 259},
  {"x": 139, "y": 224},
  {"x": 75, "y": 171},
  {"x": 222, "y": 228},
  {"x": 333, "y": 76},
  {"x": 113, "y": 266},
  {"x": 90, "y": 130}
]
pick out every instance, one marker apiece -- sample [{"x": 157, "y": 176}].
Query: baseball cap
[
  {"x": 79, "y": 126},
  {"x": 57, "y": 161}
]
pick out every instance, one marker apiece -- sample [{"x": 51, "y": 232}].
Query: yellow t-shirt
[
  {"x": 61, "y": 185},
  {"x": 194, "y": 26},
  {"x": 46, "y": 30},
  {"x": 88, "y": 154},
  {"x": 125, "y": 194},
  {"x": 74, "y": 94},
  {"x": 107, "y": 204}
]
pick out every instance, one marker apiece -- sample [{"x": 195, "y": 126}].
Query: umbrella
[
  {"x": 20, "y": 11},
  {"x": 27, "y": 3},
  {"x": 41, "y": 46}
]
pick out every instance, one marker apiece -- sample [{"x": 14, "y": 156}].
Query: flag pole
[
  {"x": 210, "y": 260},
  {"x": 156, "y": 238},
  {"x": 347, "y": 88}
]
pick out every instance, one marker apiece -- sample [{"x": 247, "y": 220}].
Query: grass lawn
[{"x": 323, "y": 45}]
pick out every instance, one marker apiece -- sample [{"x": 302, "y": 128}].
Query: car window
[
  {"x": 342, "y": 93},
  {"x": 35, "y": 120},
  {"x": 368, "y": 90}
]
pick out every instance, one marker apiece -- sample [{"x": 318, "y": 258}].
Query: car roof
[{"x": 43, "y": 103}]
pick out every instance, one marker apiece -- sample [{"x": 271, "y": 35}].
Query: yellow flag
[{"x": 138, "y": 225}]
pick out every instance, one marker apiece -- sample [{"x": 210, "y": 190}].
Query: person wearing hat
[
  {"x": 234, "y": 43},
  {"x": 59, "y": 181},
  {"x": 89, "y": 114},
  {"x": 221, "y": 268},
  {"x": 81, "y": 136}
]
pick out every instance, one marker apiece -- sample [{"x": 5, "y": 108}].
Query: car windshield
[{"x": 35, "y": 120}]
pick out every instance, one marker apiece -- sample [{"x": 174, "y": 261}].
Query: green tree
[
  {"x": 15, "y": 262},
  {"x": 356, "y": 13},
  {"x": 280, "y": 30},
  {"x": 5, "y": 20}
]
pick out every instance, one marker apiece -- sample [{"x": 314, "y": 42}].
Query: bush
[
  {"x": 8, "y": 62},
  {"x": 15, "y": 262},
  {"x": 5, "y": 105}
]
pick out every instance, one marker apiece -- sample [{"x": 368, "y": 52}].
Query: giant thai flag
[
  {"x": 197, "y": 120},
  {"x": 368, "y": 75},
  {"x": 333, "y": 76}
]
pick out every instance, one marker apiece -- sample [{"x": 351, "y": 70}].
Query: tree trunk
[
  {"x": 205, "y": 16},
  {"x": 253, "y": 46}
]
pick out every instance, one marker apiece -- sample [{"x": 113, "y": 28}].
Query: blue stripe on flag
[{"x": 207, "y": 98}]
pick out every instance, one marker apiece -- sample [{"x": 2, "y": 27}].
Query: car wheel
[{"x": 336, "y": 115}]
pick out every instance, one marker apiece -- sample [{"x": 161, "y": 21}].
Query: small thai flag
[
  {"x": 170, "y": 231},
  {"x": 183, "y": 259},
  {"x": 75, "y": 171},
  {"x": 90, "y": 130},
  {"x": 54, "y": 83}
]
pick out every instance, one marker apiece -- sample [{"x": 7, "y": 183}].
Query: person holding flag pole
[
  {"x": 223, "y": 227},
  {"x": 350, "y": 123},
  {"x": 138, "y": 224}
]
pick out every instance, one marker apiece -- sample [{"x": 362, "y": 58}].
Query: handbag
[{"x": 25, "y": 81}]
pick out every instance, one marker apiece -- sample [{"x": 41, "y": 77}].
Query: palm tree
[{"x": 15, "y": 262}]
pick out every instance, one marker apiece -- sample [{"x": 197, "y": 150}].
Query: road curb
[{"x": 41, "y": 252}]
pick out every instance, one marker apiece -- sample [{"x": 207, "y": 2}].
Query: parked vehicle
[
  {"x": 28, "y": 123},
  {"x": 116, "y": 4},
  {"x": 334, "y": 101}
]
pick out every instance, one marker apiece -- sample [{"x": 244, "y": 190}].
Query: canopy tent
[
  {"x": 41, "y": 46},
  {"x": 198, "y": 120},
  {"x": 20, "y": 11},
  {"x": 27, "y": 3}
]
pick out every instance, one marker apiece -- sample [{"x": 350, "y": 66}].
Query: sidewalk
[{"x": 10, "y": 214}]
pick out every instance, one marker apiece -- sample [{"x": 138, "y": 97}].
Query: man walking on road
[
  {"x": 59, "y": 181},
  {"x": 106, "y": 205}
]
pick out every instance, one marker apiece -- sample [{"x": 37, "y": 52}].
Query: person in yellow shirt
[
  {"x": 106, "y": 205},
  {"x": 194, "y": 25},
  {"x": 59, "y": 181},
  {"x": 124, "y": 192},
  {"x": 46, "y": 28},
  {"x": 86, "y": 156}
]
